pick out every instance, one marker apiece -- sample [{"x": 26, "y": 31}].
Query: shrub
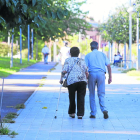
[
  {"x": 4, "y": 131},
  {"x": 5, "y": 49},
  {"x": 20, "y": 106}
]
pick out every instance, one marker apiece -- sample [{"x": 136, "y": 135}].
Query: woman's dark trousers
[{"x": 80, "y": 87}]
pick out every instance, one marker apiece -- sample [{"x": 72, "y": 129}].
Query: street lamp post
[
  {"x": 20, "y": 45},
  {"x": 131, "y": 10},
  {"x": 130, "y": 37},
  {"x": 28, "y": 42},
  {"x": 32, "y": 45},
  {"x": 130, "y": 32},
  {"x": 125, "y": 56},
  {"x": 138, "y": 45}
]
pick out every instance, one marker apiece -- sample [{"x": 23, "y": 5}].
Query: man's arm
[{"x": 110, "y": 74}]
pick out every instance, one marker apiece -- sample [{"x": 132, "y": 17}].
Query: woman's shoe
[
  {"x": 72, "y": 115},
  {"x": 92, "y": 116}
]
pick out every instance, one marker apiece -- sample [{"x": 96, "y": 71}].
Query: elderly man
[
  {"x": 45, "y": 51},
  {"x": 96, "y": 62}
]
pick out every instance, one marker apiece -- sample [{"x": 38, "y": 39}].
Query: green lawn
[
  {"x": 132, "y": 72},
  {"x": 128, "y": 70},
  {"x": 5, "y": 69}
]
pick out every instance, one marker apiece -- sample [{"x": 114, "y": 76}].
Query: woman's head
[{"x": 74, "y": 51}]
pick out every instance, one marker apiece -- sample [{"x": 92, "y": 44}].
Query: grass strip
[
  {"x": 126, "y": 71},
  {"x": 5, "y": 69}
]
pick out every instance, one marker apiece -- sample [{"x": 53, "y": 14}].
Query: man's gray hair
[{"x": 94, "y": 45}]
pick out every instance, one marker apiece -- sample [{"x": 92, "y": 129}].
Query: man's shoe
[
  {"x": 92, "y": 116},
  {"x": 72, "y": 115},
  {"x": 80, "y": 117},
  {"x": 105, "y": 114}
]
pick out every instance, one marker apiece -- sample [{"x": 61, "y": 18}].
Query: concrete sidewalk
[{"x": 122, "y": 101}]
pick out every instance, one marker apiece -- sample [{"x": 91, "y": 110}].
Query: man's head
[
  {"x": 118, "y": 53},
  {"x": 66, "y": 44},
  {"x": 93, "y": 45},
  {"x": 74, "y": 51}
]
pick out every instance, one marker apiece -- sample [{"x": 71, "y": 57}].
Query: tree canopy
[
  {"x": 116, "y": 28},
  {"x": 49, "y": 19}
]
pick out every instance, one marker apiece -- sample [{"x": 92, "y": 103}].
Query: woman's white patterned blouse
[{"x": 77, "y": 68}]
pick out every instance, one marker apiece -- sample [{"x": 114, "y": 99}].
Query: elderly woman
[{"x": 77, "y": 80}]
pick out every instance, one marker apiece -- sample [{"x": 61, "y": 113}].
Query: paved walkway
[
  {"x": 19, "y": 87},
  {"x": 122, "y": 101}
]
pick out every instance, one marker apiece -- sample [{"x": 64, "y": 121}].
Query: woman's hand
[
  {"x": 87, "y": 74},
  {"x": 62, "y": 75},
  {"x": 61, "y": 81}
]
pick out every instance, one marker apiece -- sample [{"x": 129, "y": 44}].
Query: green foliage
[
  {"x": 84, "y": 45},
  {"x": 117, "y": 27},
  {"x": 8, "y": 118},
  {"x": 49, "y": 19},
  {"x": 125, "y": 71},
  {"x": 5, "y": 120},
  {"x": 5, "y": 49},
  {"x": 38, "y": 45},
  {"x": 7, "y": 131},
  {"x": 4, "y": 131},
  {"x": 106, "y": 49},
  {"x": 24, "y": 12},
  {"x": 20, "y": 106},
  {"x": 138, "y": 78},
  {"x": 134, "y": 50},
  {"x": 13, "y": 133},
  {"x": 11, "y": 115},
  {"x": 133, "y": 73}
]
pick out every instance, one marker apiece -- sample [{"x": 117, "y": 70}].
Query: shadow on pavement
[{"x": 20, "y": 86}]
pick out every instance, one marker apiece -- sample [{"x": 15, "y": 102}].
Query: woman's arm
[
  {"x": 62, "y": 75},
  {"x": 87, "y": 74}
]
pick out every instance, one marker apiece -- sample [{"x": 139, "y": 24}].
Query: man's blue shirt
[{"x": 96, "y": 61}]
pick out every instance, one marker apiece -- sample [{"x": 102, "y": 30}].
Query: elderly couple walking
[{"x": 80, "y": 72}]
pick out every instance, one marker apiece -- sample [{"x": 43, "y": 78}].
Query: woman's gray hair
[{"x": 94, "y": 45}]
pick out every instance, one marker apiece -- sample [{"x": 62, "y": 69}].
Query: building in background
[{"x": 94, "y": 34}]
